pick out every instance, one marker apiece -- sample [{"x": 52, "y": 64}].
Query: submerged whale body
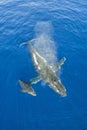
[{"x": 45, "y": 72}]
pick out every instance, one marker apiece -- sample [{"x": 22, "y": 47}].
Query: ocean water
[{"x": 64, "y": 24}]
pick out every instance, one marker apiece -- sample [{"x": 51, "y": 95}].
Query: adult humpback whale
[{"x": 45, "y": 72}]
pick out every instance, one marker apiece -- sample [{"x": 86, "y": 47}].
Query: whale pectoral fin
[
  {"x": 59, "y": 64},
  {"x": 34, "y": 80}
]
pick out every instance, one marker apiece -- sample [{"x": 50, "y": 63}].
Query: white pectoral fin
[
  {"x": 35, "y": 80},
  {"x": 27, "y": 42},
  {"x": 59, "y": 64}
]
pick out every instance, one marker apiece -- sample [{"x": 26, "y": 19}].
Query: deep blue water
[{"x": 48, "y": 110}]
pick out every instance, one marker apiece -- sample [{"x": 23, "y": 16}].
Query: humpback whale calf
[
  {"x": 45, "y": 72},
  {"x": 26, "y": 88}
]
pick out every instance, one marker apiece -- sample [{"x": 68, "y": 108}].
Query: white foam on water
[{"x": 44, "y": 42}]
